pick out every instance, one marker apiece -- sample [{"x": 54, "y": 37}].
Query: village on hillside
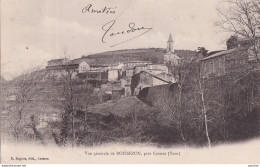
[
  {"x": 118, "y": 77},
  {"x": 154, "y": 96},
  {"x": 108, "y": 92},
  {"x": 115, "y": 78}
]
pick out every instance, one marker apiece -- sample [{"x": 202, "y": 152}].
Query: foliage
[
  {"x": 242, "y": 18},
  {"x": 203, "y": 51},
  {"x": 19, "y": 97},
  {"x": 232, "y": 42},
  {"x": 228, "y": 108}
]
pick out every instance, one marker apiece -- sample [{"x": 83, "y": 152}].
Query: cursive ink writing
[
  {"x": 105, "y": 10},
  {"x": 131, "y": 29}
]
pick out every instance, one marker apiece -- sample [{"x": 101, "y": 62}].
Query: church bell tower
[
  {"x": 170, "y": 56},
  {"x": 170, "y": 43}
]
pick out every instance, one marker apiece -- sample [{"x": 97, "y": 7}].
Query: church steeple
[
  {"x": 170, "y": 44},
  {"x": 170, "y": 38}
]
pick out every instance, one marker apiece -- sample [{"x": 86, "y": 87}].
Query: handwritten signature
[
  {"x": 131, "y": 29},
  {"x": 106, "y": 10}
]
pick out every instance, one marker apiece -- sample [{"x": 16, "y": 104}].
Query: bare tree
[
  {"x": 204, "y": 111},
  {"x": 179, "y": 114},
  {"x": 191, "y": 107},
  {"x": 242, "y": 18},
  {"x": 73, "y": 96},
  {"x": 22, "y": 92}
]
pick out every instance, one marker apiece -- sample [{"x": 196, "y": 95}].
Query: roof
[
  {"x": 156, "y": 76},
  {"x": 219, "y": 54},
  {"x": 57, "y": 60},
  {"x": 155, "y": 69},
  {"x": 137, "y": 61},
  {"x": 170, "y": 38},
  {"x": 94, "y": 72},
  {"x": 156, "y": 65},
  {"x": 60, "y": 67},
  {"x": 141, "y": 65},
  {"x": 83, "y": 59},
  {"x": 214, "y": 52},
  {"x": 116, "y": 66},
  {"x": 98, "y": 65}
]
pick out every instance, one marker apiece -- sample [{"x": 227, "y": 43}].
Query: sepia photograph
[{"x": 130, "y": 82}]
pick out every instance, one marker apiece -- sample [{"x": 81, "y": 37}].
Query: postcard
[{"x": 130, "y": 82}]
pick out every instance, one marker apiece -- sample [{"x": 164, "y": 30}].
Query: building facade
[
  {"x": 157, "y": 68},
  {"x": 170, "y": 56},
  {"x": 84, "y": 67},
  {"x": 230, "y": 61},
  {"x": 62, "y": 70},
  {"x": 146, "y": 79}
]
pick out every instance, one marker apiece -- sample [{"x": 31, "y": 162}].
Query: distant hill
[
  {"x": 2, "y": 80},
  {"x": 33, "y": 73},
  {"x": 154, "y": 55}
]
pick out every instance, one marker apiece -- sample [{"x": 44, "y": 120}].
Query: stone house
[
  {"x": 128, "y": 73},
  {"x": 95, "y": 77},
  {"x": 113, "y": 75},
  {"x": 152, "y": 68},
  {"x": 139, "y": 68},
  {"x": 84, "y": 67},
  {"x": 132, "y": 64},
  {"x": 157, "y": 68},
  {"x": 62, "y": 70},
  {"x": 146, "y": 79},
  {"x": 229, "y": 61},
  {"x": 115, "y": 72}
]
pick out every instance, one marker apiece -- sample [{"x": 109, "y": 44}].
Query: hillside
[
  {"x": 154, "y": 55},
  {"x": 2, "y": 80},
  {"x": 121, "y": 107}
]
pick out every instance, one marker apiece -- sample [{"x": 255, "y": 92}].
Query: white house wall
[
  {"x": 84, "y": 67},
  {"x": 112, "y": 75}
]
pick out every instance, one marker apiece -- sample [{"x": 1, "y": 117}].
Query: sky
[{"x": 35, "y": 31}]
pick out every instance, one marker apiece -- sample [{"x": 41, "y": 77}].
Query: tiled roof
[
  {"x": 156, "y": 65},
  {"x": 60, "y": 67},
  {"x": 137, "y": 61},
  {"x": 83, "y": 59},
  {"x": 157, "y": 77},
  {"x": 219, "y": 54}
]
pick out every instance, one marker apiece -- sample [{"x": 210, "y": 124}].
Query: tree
[
  {"x": 24, "y": 91},
  {"x": 187, "y": 106},
  {"x": 203, "y": 51},
  {"x": 204, "y": 111},
  {"x": 73, "y": 97},
  {"x": 242, "y": 18},
  {"x": 232, "y": 42},
  {"x": 198, "y": 105}
]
